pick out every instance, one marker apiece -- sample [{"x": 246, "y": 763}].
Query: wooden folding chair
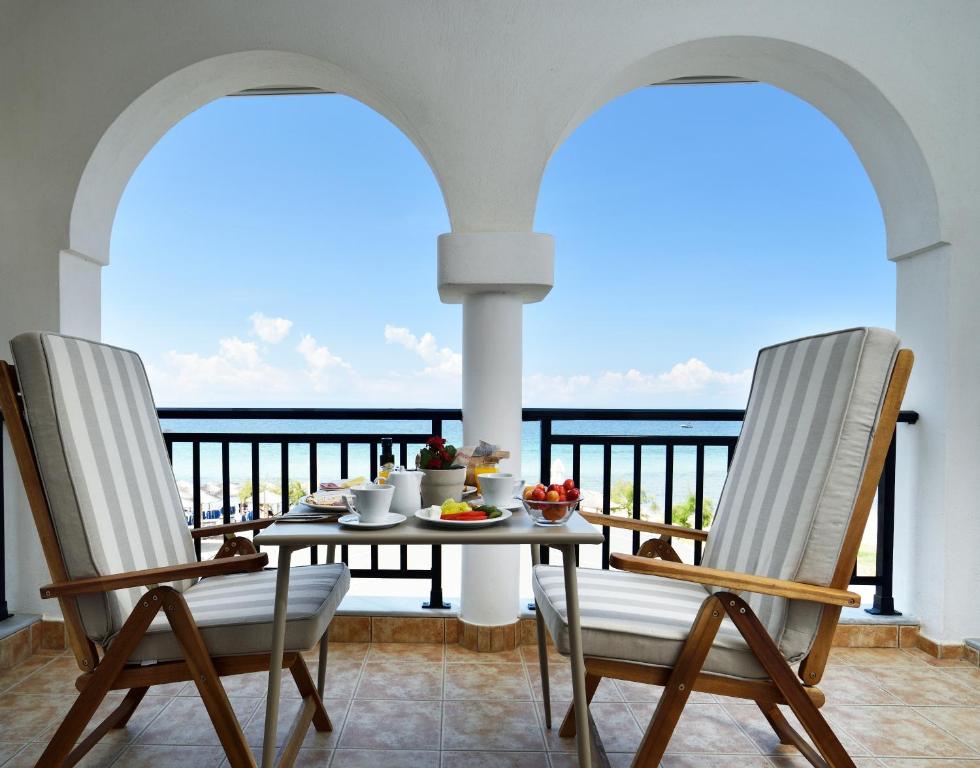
[
  {"x": 139, "y": 610},
  {"x": 817, "y": 429}
]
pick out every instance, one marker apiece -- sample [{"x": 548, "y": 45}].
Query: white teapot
[{"x": 407, "y": 498}]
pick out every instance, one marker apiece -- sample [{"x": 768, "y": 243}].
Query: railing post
[
  {"x": 435, "y": 590},
  {"x": 884, "y": 600},
  {"x": 225, "y": 483},
  {"x": 544, "y": 472},
  {"x": 196, "y": 492},
  {"x": 545, "y": 452}
]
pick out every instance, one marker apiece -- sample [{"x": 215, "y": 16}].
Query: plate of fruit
[
  {"x": 551, "y": 504},
  {"x": 460, "y": 514}
]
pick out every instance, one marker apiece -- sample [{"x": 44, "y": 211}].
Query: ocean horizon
[{"x": 653, "y": 458}]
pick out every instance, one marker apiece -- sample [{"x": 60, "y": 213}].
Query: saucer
[
  {"x": 512, "y": 505},
  {"x": 390, "y": 520}
]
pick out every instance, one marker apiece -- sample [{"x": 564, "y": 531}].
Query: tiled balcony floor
[{"x": 432, "y": 705}]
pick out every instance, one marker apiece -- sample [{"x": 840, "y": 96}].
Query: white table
[{"x": 518, "y": 529}]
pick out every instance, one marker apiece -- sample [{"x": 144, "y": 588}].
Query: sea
[{"x": 653, "y": 470}]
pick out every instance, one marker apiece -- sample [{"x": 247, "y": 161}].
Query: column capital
[{"x": 521, "y": 263}]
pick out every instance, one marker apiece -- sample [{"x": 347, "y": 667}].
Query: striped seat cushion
[
  {"x": 235, "y": 612},
  {"x": 104, "y": 466},
  {"x": 634, "y": 617},
  {"x": 796, "y": 471}
]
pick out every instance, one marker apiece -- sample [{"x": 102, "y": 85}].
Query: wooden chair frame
[
  {"x": 112, "y": 671},
  {"x": 799, "y": 689}
]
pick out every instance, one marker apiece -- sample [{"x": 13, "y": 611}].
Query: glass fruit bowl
[{"x": 550, "y": 512}]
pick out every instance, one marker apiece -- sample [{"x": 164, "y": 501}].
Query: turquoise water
[{"x": 328, "y": 456}]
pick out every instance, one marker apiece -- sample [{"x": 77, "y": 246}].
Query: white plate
[
  {"x": 390, "y": 520},
  {"x": 431, "y": 515},
  {"x": 513, "y": 505}
]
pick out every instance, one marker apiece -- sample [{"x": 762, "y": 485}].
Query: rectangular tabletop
[{"x": 518, "y": 529}]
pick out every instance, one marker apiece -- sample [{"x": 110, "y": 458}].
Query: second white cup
[
  {"x": 499, "y": 488},
  {"x": 372, "y": 501}
]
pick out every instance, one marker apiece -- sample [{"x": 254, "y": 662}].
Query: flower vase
[{"x": 441, "y": 484}]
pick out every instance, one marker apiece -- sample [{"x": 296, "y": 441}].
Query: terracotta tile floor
[{"x": 416, "y": 706}]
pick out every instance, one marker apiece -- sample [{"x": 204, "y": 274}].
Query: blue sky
[{"x": 281, "y": 250}]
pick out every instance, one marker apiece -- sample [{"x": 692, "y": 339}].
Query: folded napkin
[{"x": 326, "y": 499}]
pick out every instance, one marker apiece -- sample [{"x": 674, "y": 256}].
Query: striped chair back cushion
[
  {"x": 104, "y": 466},
  {"x": 795, "y": 475}
]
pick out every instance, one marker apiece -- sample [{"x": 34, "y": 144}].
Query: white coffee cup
[
  {"x": 372, "y": 501},
  {"x": 498, "y": 488}
]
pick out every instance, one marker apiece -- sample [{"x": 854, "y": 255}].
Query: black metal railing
[
  {"x": 435, "y": 419},
  {"x": 882, "y": 579}
]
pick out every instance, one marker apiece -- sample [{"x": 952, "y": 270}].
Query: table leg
[
  {"x": 578, "y": 660},
  {"x": 321, "y": 670},
  {"x": 275, "y": 658},
  {"x": 542, "y": 647}
]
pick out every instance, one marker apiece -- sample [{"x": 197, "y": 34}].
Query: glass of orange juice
[{"x": 483, "y": 469}]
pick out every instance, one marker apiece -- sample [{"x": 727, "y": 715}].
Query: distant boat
[{"x": 687, "y": 425}]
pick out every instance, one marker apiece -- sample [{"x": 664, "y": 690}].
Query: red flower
[
  {"x": 436, "y": 442},
  {"x": 435, "y": 463}
]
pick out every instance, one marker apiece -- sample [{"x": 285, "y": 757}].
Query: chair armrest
[
  {"x": 221, "y": 530},
  {"x": 746, "y": 582},
  {"x": 241, "y": 564},
  {"x": 643, "y": 525}
]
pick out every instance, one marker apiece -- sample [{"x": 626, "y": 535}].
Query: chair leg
[
  {"x": 567, "y": 728},
  {"x": 786, "y": 681},
  {"x": 304, "y": 684},
  {"x": 321, "y": 670},
  {"x": 128, "y": 706},
  {"x": 116, "y": 719},
  {"x": 679, "y": 685},
  {"x": 207, "y": 681},
  {"x": 62, "y": 743},
  {"x": 543, "y": 665},
  {"x": 788, "y": 735},
  {"x": 776, "y": 720},
  {"x": 61, "y": 750}
]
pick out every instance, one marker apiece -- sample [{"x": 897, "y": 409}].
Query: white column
[
  {"x": 937, "y": 562},
  {"x": 492, "y": 344},
  {"x": 493, "y": 275}
]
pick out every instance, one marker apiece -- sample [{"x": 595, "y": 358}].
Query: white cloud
[
  {"x": 236, "y": 372},
  {"x": 239, "y": 372},
  {"x": 693, "y": 381},
  {"x": 440, "y": 361},
  {"x": 235, "y": 350},
  {"x": 271, "y": 330},
  {"x": 320, "y": 362}
]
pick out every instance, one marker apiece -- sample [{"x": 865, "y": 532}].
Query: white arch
[
  {"x": 880, "y": 136},
  {"x": 137, "y": 128}
]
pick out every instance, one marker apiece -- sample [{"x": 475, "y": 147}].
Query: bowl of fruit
[{"x": 551, "y": 504}]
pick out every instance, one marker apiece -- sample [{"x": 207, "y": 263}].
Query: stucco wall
[{"x": 486, "y": 91}]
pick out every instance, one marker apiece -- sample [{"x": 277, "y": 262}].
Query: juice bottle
[{"x": 386, "y": 461}]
